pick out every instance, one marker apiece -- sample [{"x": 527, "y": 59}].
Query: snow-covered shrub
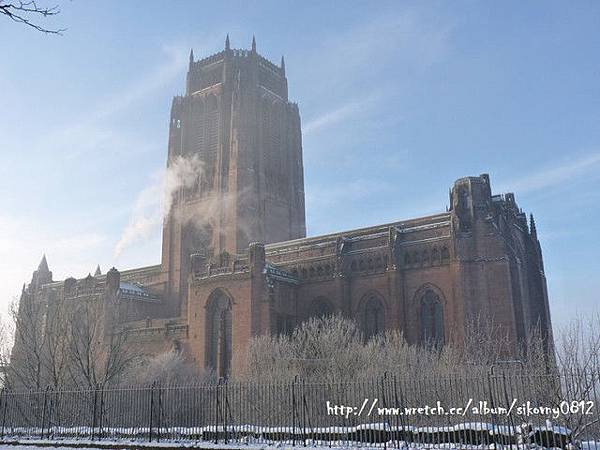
[{"x": 168, "y": 368}]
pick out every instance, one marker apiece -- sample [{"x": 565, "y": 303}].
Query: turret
[
  {"x": 253, "y": 44},
  {"x": 470, "y": 200},
  {"x": 256, "y": 254},
  {"x": 42, "y": 275},
  {"x": 227, "y": 45},
  {"x": 536, "y": 243},
  {"x": 532, "y": 227},
  {"x": 43, "y": 266},
  {"x": 69, "y": 286},
  {"x": 113, "y": 281}
]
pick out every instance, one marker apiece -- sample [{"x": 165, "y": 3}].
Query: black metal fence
[{"x": 514, "y": 409}]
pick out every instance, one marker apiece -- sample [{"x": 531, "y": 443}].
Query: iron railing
[{"x": 514, "y": 409}]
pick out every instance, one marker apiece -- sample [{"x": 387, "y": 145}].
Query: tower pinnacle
[
  {"x": 532, "y": 227},
  {"x": 253, "y": 44},
  {"x": 43, "y": 267},
  {"x": 191, "y": 56},
  {"x": 282, "y": 64},
  {"x": 227, "y": 46}
]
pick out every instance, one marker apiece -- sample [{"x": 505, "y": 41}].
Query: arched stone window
[
  {"x": 372, "y": 316},
  {"x": 320, "y": 307},
  {"x": 218, "y": 333},
  {"x": 435, "y": 256},
  {"x": 425, "y": 257},
  {"x": 432, "y": 319},
  {"x": 416, "y": 258},
  {"x": 445, "y": 254}
]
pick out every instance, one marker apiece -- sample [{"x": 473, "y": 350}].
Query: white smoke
[{"x": 154, "y": 203}]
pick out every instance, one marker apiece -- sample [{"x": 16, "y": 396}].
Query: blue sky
[{"x": 398, "y": 99}]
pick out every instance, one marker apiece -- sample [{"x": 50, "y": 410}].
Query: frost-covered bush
[{"x": 168, "y": 368}]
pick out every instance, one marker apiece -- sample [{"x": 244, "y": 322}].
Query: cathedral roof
[
  {"x": 136, "y": 291},
  {"x": 277, "y": 273}
]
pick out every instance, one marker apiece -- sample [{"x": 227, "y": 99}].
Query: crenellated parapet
[
  {"x": 367, "y": 251},
  {"x": 219, "y": 265},
  {"x": 226, "y": 65}
]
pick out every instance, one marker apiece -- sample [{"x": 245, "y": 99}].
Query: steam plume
[{"x": 155, "y": 201}]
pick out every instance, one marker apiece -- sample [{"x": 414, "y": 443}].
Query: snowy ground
[
  {"x": 167, "y": 446},
  {"x": 157, "y": 446}
]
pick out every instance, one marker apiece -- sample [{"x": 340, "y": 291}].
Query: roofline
[
  {"x": 103, "y": 276},
  {"x": 382, "y": 227}
]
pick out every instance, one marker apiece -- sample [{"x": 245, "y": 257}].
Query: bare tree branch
[{"x": 27, "y": 12}]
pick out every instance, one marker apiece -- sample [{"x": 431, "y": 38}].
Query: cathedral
[{"x": 236, "y": 261}]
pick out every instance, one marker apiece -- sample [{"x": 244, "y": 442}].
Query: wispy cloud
[
  {"x": 74, "y": 250},
  {"x": 93, "y": 130},
  {"x": 324, "y": 196},
  {"x": 414, "y": 39},
  {"x": 329, "y": 118},
  {"x": 553, "y": 176},
  {"x": 357, "y": 59},
  {"x": 154, "y": 80}
]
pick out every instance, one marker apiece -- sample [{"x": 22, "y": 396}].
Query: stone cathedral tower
[{"x": 236, "y": 117}]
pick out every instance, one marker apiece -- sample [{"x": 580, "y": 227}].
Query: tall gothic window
[
  {"x": 372, "y": 316},
  {"x": 432, "y": 320},
  {"x": 218, "y": 334}
]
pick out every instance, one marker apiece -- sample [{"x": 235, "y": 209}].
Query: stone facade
[{"x": 246, "y": 268}]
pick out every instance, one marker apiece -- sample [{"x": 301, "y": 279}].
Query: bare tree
[
  {"x": 578, "y": 360},
  {"x": 38, "y": 358},
  {"x": 98, "y": 349},
  {"x": 5, "y": 346},
  {"x": 28, "y": 13}
]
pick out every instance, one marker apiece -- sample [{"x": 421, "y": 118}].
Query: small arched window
[
  {"x": 425, "y": 257},
  {"x": 372, "y": 316},
  {"x": 432, "y": 320},
  {"x": 416, "y": 258},
  {"x": 435, "y": 256}
]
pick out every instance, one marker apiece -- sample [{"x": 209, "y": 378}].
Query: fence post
[
  {"x": 493, "y": 406},
  {"x": 304, "y": 412},
  {"x": 44, "y": 411},
  {"x": 95, "y": 401},
  {"x": 3, "y": 401},
  {"x": 294, "y": 411},
  {"x": 384, "y": 404},
  {"x": 151, "y": 412},
  {"x": 101, "y": 413},
  {"x": 225, "y": 411},
  {"x": 217, "y": 411},
  {"x": 399, "y": 424},
  {"x": 159, "y": 417}
]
